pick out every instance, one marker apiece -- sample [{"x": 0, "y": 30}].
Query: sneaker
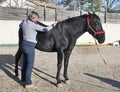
[{"x": 31, "y": 87}]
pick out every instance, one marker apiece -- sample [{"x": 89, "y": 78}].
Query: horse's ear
[{"x": 89, "y": 13}]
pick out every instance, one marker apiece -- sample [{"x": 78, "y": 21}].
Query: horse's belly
[{"x": 46, "y": 46}]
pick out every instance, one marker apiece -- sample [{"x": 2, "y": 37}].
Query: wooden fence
[{"x": 47, "y": 14}]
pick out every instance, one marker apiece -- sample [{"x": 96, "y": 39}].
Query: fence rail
[{"x": 47, "y": 14}]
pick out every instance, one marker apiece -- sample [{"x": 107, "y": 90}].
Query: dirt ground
[{"x": 86, "y": 71}]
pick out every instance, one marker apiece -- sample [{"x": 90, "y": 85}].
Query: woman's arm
[{"x": 42, "y": 28}]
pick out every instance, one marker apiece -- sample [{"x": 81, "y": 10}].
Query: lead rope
[
  {"x": 106, "y": 63},
  {"x": 116, "y": 76}
]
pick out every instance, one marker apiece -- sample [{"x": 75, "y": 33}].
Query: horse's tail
[
  {"x": 20, "y": 34},
  {"x": 19, "y": 51}
]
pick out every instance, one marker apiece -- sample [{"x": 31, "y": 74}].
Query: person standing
[{"x": 30, "y": 27}]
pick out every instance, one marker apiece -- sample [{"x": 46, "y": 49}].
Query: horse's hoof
[
  {"x": 16, "y": 75},
  {"x": 67, "y": 81},
  {"x": 59, "y": 85}
]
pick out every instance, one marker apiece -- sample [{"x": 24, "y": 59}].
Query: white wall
[{"x": 9, "y": 33}]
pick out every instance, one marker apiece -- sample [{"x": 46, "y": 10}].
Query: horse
[{"x": 62, "y": 39}]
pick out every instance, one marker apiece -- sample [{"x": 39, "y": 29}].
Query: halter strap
[{"x": 95, "y": 33}]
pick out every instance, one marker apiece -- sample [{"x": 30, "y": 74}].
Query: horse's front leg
[
  {"x": 67, "y": 54},
  {"x": 17, "y": 58},
  {"x": 66, "y": 61},
  {"x": 60, "y": 56}
]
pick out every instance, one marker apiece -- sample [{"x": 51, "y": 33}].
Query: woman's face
[{"x": 35, "y": 19}]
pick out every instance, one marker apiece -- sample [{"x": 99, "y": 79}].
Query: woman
[{"x": 30, "y": 27}]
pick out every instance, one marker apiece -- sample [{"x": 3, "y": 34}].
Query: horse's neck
[{"x": 80, "y": 28}]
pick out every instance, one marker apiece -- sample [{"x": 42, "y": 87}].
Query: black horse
[{"x": 62, "y": 39}]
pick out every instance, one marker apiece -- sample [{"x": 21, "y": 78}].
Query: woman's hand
[{"x": 54, "y": 24}]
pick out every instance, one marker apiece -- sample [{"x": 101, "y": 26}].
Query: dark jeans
[{"x": 28, "y": 49}]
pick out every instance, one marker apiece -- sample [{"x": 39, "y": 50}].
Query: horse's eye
[{"x": 96, "y": 23}]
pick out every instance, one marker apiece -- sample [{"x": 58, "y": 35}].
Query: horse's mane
[{"x": 74, "y": 18}]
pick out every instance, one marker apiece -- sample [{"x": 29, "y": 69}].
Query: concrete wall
[{"x": 9, "y": 33}]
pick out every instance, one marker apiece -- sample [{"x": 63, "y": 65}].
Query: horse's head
[{"x": 95, "y": 27}]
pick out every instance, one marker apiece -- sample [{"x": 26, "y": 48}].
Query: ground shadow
[
  {"x": 38, "y": 70},
  {"x": 7, "y": 65},
  {"x": 45, "y": 78},
  {"x": 114, "y": 83}
]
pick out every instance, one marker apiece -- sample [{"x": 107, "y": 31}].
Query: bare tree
[
  {"x": 79, "y": 5},
  {"x": 92, "y": 5},
  {"x": 15, "y": 3},
  {"x": 47, "y": 1},
  {"x": 67, "y": 4},
  {"x": 111, "y": 5}
]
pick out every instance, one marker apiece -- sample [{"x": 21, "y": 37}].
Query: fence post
[
  {"x": 105, "y": 17},
  {"x": 45, "y": 13},
  {"x": 55, "y": 14},
  {"x": 27, "y": 13}
]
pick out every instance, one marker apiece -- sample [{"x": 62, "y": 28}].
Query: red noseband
[
  {"x": 95, "y": 33},
  {"x": 100, "y": 32}
]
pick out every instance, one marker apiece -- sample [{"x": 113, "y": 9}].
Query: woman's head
[{"x": 34, "y": 16}]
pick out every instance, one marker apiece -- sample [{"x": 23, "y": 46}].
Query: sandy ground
[{"x": 87, "y": 72}]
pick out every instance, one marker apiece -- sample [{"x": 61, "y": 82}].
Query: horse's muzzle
[{"x": 102, "y": 40}]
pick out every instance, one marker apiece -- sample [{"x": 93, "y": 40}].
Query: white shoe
[{"x": 31, "y": 87}]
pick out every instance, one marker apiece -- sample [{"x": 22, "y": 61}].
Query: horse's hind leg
[
  {"x": 17, "y": 58},
  {"x": 59, "y": 66}
]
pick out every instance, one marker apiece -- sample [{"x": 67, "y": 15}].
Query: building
[{"x": 31, "y": 4}]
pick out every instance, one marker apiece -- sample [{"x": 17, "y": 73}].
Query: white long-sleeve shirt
[{"x": 30, "y": 30}]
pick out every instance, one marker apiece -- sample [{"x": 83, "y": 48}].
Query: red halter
[{"x": 95, "y": 33}]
